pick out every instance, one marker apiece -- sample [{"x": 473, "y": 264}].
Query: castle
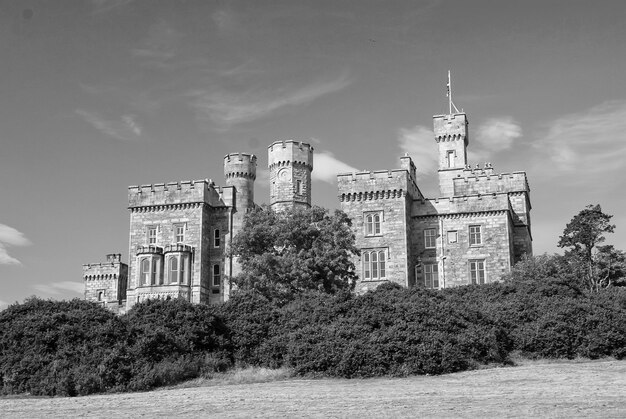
[{"x": 476, "y": 229}]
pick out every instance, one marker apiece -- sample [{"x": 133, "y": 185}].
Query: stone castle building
[{"x": 476, "y": 229}]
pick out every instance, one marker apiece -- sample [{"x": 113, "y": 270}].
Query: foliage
[
  {"x": 283, "y": 254},
  {"x": 582, "y": 236}
]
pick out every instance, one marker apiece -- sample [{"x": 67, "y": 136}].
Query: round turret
[
  {"x": 290, "y": 164},
  {"x": 240, "y": 172}
]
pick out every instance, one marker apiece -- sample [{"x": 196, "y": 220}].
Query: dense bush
[{"x": 75, "y": 347}]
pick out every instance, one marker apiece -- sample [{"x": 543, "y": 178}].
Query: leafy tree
[
  {"x": 285, "y": 253},
  {"x": 581, "y": 236}
]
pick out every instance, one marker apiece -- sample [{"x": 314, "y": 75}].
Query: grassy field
[{"x": 533, "y": 389}]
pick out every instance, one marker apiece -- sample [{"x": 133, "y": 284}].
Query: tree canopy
[{"x": 285, "y": 253}]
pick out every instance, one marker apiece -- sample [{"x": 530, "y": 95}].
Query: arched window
[
  {"x": 374, "y": 264},
  {"x": 173, "y": 270},
  {"x": 372, "y": 223},
  {"x": 155, "y": 268},
  {"x": 144, "y": 273}
]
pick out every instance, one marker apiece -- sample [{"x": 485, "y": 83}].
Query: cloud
[
  {"x": 126, "y": 128},
  {"x": 3, "y": 305},
  {"x": 58, "y": 288},
  {"x": 327, "y": 167},
  {"x": 101, "y": 6},
  {"x": 492, "y": 136},
  {"x": 419, "y": 143},
  {"x": 230, "y": 108},
  {"x": 160, "y": 45},
  {"x": 591, "y": 141},
  {"x": 10, "y": 237}
]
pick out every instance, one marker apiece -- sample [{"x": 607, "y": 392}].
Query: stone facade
[
  {"x": 472, "y": 233},
  {"x": 476, "y": 229}
]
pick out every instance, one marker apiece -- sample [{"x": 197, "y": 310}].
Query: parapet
[
  {"x": 451, "y": 127},
  {"x": 292, "y": 152},
  {"x": 240, "y": 165},
  {"x": 381, "y": 181},
  {"x": 183, "y": 192},
  {"x": 484, "y": 181},
  {"x": 461, "y": 205}
]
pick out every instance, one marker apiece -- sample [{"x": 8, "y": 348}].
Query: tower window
[
  {"x": 430, "y": 238},
  {"x": 475, "y": 235},
  {"x": 179, "y": 233},
  {"x": 372, "y": 223},
  {"x": 152, "y": 235},
  {"x": 477, "y": 271},
  {"x": 177, "y": 269},
  {"x": 144, "y": 271},
  {"x": 450, "y": 158},
  {"x": 374, "y": 264},
  {"x": 298, "y": 187},
  {"x": 217, "y": 240},
  {"x": 217, "y": 275},
  {"x": 431, "y": 275},
  {"x": 172, "y": 270}
]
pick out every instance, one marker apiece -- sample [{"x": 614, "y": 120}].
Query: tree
[
  {"x": 582, "y": 235},
  {"x": 285, "y": 253}
]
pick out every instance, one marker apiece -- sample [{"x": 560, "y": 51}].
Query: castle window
[
  {"x": 144, "y": 271},
  {"x": 179, "y": 233},
  {"x": 155, "y": 270},
  {"x": 477, "y": 271},
  {"x": 150, "y": 270},
  {"x": 431, "y": 275},
  {"x": 152, "y": 235},
  {"x": 430, "y": 238},
  {"x": 450, "y": 158},
  {"x": 100, "y": 295},
  {"x": 372, "y": 223},
  {"x": 452, "y": 236},
  {"x": 172, "y": 269},
  {"x": 298, "y": 187},
  {"x": 374, "y": 264},
  {"x": 217, "y": 241},
  {"x": 475, "y": 235},
  {"x": 217, "y": 275},
  {"x": 177, "y": 269}
]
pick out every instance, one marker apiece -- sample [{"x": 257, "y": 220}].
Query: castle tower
[
  {"x": 240, "y": 172},
  {"x": 451, "y": 134},
  {"x": 290, "y": 164},
  {"x": 105, "y": 283}
]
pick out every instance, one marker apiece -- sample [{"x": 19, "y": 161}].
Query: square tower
[{"x": 451, "y": 134}]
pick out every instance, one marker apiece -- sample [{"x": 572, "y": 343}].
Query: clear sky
[{"x": 98, "y": 95}]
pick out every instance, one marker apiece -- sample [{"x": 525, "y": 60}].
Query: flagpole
[{"x": 449, "y": 94}]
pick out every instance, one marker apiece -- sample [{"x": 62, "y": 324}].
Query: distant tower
[
  {"x": 240, "y": 172},
  {"x": 451, "y": 134},
  {"x": 290, "y": 164},
  {"x": 106, "y": 283}
]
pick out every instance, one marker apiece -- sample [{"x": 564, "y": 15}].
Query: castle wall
[
  {"x": 105, "y": 283},
  {"x": 388, "y": 195}
]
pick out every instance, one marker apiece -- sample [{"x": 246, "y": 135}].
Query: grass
[{"x": 248, "y": 375}]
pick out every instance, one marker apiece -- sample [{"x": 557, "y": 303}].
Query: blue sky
[{"x": 98, "y": 95}]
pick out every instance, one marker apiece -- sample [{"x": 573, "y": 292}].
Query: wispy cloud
[
  {"x": 10, "y": 237},
  {"x": 160, "y": 45},
  {"x": 102, "y": 6},
  {"x": 231, "y": 108},
  {"x": 126, "y": 128},
  {"x": 492, "y": 136},
  {"x": 419, "y": 143},
  {"x": 590, "y": 141},
  {"x": 327, "y": 166},
  {"x": 58, "y": 288}
]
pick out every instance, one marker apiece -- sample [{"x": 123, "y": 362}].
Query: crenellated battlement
[
  {"x": 240, "y": 165},
  {"x": 290, "y": 153},
  {"x": 484, "y": 181},
  {"x": 461, "y": 205},
  {"x": 451, "y": 128},
  {"x": 173, "y": 193}
]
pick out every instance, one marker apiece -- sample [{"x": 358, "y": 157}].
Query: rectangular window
[
  {"x": 475, "y": 235},
  {"x": 298, "y": 187},
  {"x": 372, "y": 223},
  {"x": 179, "y": 233},
  {"x": 452, "y": 236},
  {"x": 152, "y": 235},
  {"x": 477, "y": 271},
  {"x": 430, "y": 238},
  {"x": 374, "y": 264},
  {"x": 450, "y": 158},
  {"x": 217, "y": 275},
  {"x": 431, "y": 275},
  {"x": 217, "y": 240}
]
